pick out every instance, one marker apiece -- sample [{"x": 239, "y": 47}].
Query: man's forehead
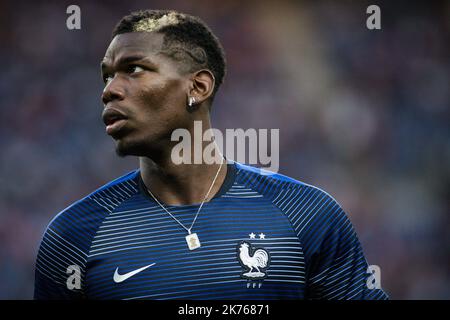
[{"x": 143, "y": 43}]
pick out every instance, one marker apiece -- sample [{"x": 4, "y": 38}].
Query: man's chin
[
  {"x": 124, "y": 149},
  {"x": 121, "y": 153},
  {"x": 146, "y": 147},
  {"x": 132, "y": 148}
]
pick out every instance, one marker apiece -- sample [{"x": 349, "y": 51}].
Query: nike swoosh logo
[{"x": 122, "y": 277}]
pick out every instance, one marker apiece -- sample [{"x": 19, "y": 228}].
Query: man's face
[{"x": 145, "y": 94}]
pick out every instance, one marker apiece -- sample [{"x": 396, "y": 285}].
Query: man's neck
[{"x": 182, "y": 184}]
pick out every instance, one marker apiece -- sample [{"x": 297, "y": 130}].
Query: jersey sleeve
[
  {"x": 59, "y": 269},
  {"x": 337, "y": 266},
  {"x": 61, "y": 262}
]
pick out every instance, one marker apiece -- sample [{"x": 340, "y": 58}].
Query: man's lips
[
  {"x": 115, "y": 126},
  {"x": 113, "y": 119}
]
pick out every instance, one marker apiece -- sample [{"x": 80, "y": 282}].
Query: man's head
[
  {"x": 158, "y": 60},
  {"x": 187, "y": 40}
]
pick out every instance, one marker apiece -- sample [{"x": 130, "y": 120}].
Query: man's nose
[{"x": 113, "y": 91}]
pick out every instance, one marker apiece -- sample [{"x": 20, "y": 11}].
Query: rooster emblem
[{"x": 259, "y": 260}]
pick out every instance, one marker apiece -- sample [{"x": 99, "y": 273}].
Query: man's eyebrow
[{"x": 126, "y": 60}]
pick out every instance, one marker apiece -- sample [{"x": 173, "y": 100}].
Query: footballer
[{"x": 220, "y": 230}]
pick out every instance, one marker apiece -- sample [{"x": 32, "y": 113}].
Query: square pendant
[{"x": 192, "y": 241}]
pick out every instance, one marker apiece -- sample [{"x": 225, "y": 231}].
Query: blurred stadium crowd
[{"x": 362, "y": 114}]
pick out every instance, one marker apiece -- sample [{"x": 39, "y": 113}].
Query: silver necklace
[{"x": 192, "y": 239}]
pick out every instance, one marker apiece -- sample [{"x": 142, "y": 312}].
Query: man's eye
[{"x": 134, "y": 69}]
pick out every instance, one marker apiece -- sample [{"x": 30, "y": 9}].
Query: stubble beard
[{"x": 140, "y": 148}]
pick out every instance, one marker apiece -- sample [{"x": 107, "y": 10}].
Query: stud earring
[{"x": 191, "y": 101}]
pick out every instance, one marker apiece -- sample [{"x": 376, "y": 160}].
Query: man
[{"x": 190, "y": 231}]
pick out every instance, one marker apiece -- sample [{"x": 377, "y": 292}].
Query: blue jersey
[{"x": 262, "y": 236}]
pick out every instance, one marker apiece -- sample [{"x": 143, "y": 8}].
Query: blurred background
[{"x": 363, "y": 114}]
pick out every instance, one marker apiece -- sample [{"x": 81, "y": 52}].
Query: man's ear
[{"x": 202, "y": 85}]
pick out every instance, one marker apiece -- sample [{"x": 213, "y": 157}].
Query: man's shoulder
[
  {"x": 272, "y": 183},
  {"x": 119, "y": 187},
  {"x": 112, "y": 192},
  {"x": 293, "y": 197},
  {"x": 85, "y": 214}
]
